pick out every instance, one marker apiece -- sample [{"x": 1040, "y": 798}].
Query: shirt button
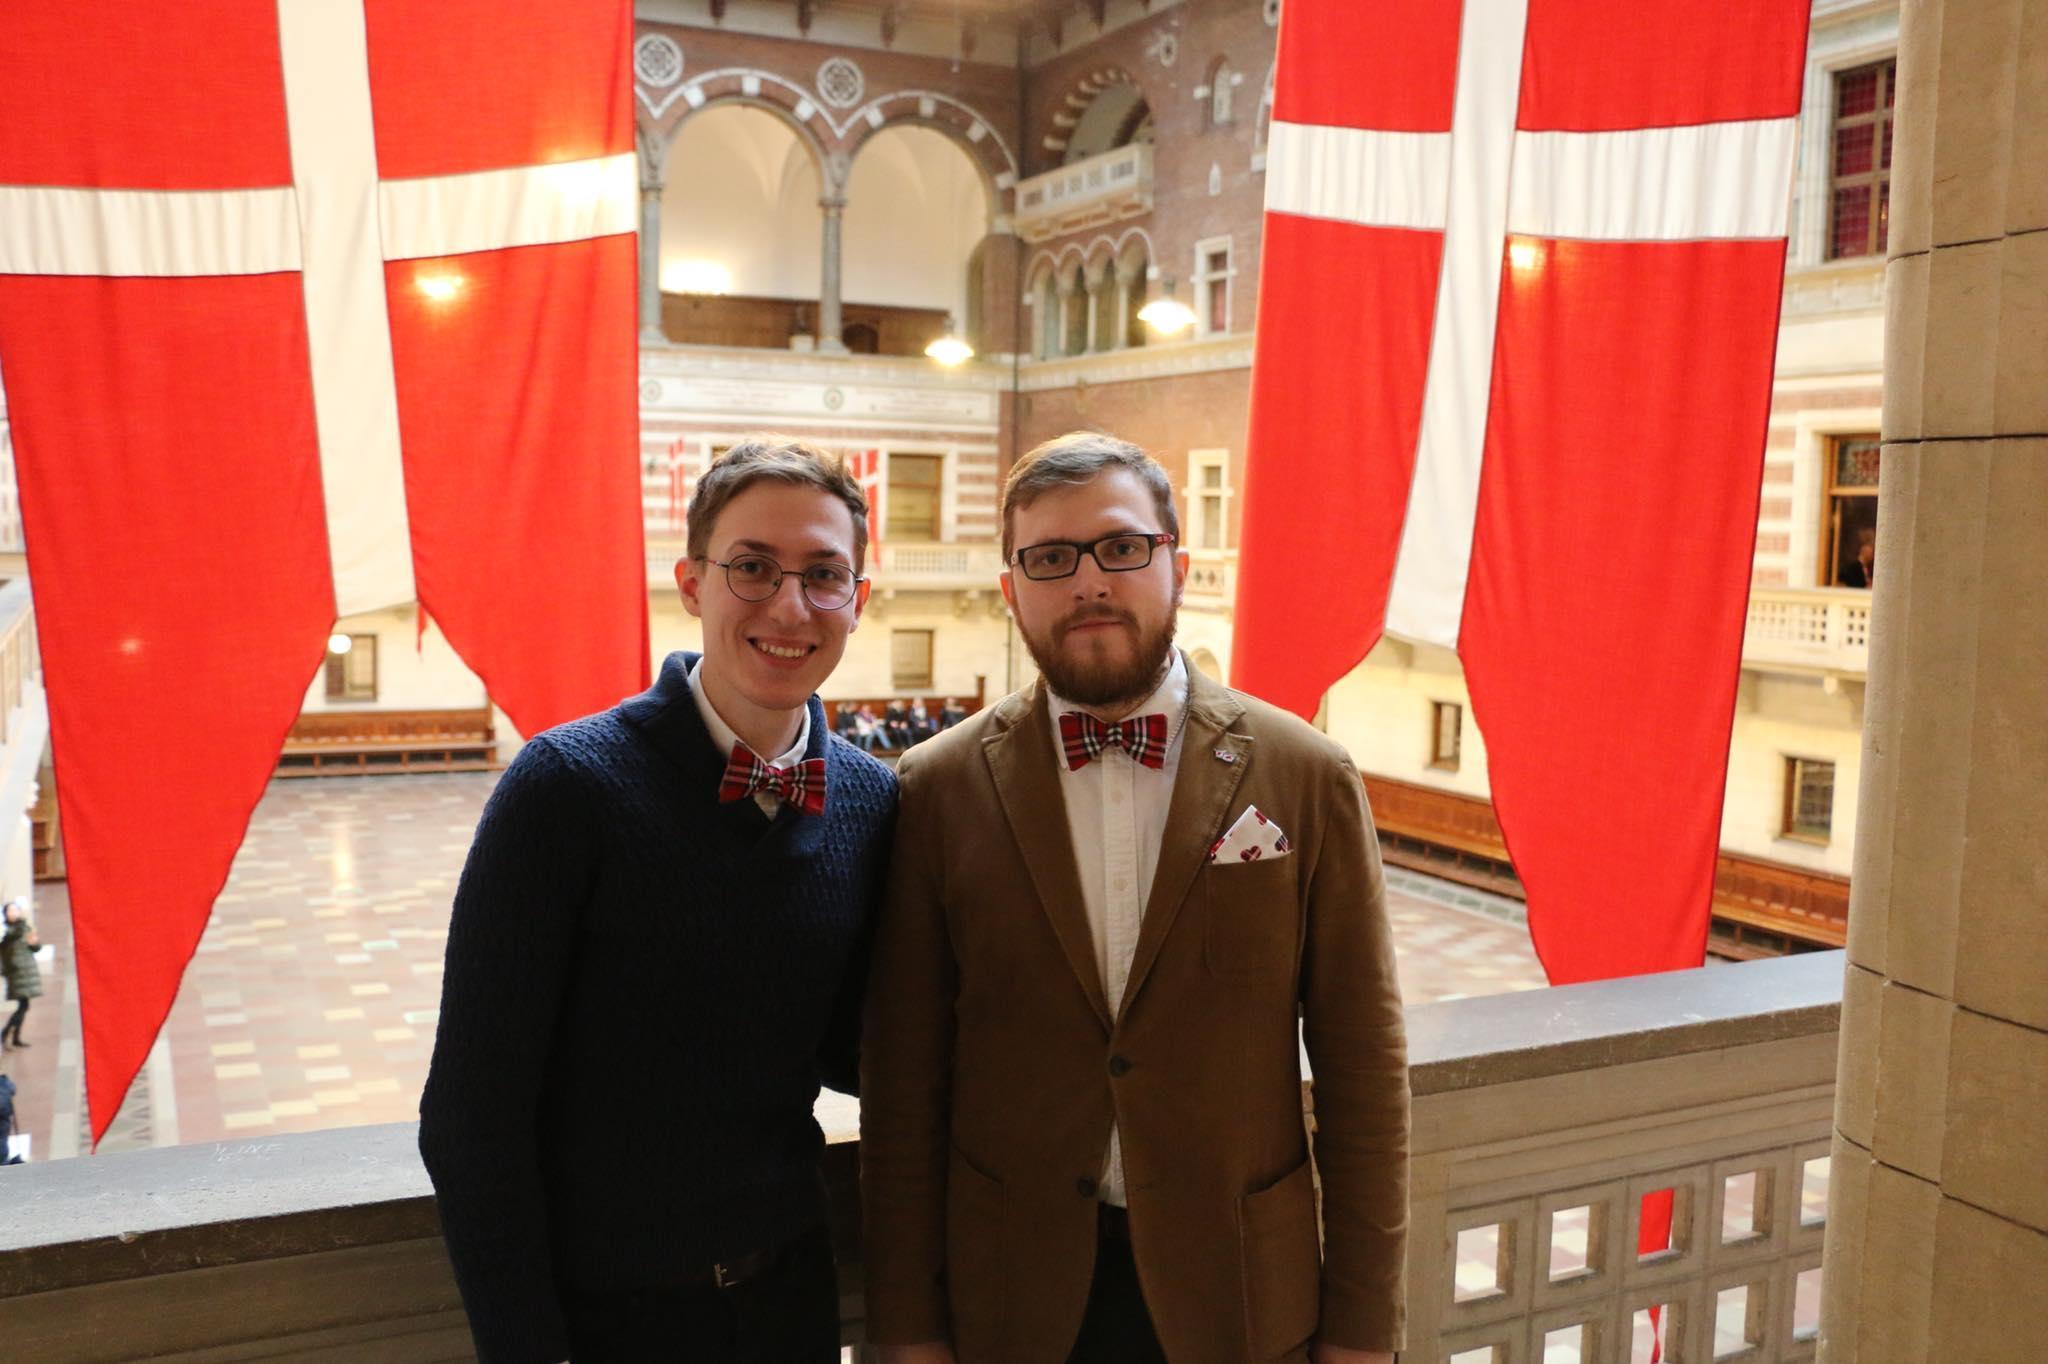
[
  {"x": 1085, "y": 1186},
  {"x": 1119, "y": 1065}
]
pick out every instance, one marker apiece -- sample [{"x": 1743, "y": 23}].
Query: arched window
[
  {"x": 1074, "y": 311},
  {"x": 1222, "y": 85},
  {"x": 1045, "y": 316}
]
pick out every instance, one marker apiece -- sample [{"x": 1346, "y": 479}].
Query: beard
[{"x": 1079, "y": 676}]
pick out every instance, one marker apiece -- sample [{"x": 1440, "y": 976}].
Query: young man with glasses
[
  {"x": 1113, "y": 897},
  {"x": 656, "y": 956}
]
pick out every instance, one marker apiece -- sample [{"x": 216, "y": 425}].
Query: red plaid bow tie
[
  {"x": 801, "y": 784},
  {"x": 1084, "y": 737}
]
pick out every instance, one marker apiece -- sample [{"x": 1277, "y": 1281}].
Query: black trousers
[
  {"x": 13, "y": 1024},
  {"x": 787, "y": 1313},
  {"x": 1117, "y": 1327}
]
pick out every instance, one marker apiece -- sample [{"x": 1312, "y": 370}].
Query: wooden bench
[
  {"x": 1761, "y": 909},
  {"x": 356, "y": 743}
]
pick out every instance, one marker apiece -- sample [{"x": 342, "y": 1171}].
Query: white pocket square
[{"x": 1250, "y": 839}]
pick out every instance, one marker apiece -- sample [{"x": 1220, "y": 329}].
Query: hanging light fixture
[
  {"x": 1166, "y": 314},
  {"x": 950, "y": 348}
]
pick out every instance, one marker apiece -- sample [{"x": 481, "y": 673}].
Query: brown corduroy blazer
[{"x": 993, "y": 1066}]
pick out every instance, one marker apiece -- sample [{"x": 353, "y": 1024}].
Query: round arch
[
  {"x": 664, "y": 139},
  {"x": 1051, "y": 147}
]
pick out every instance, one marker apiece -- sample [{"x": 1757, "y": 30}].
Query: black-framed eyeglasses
[
  {"x": 1121, "y": 553},
  {"x": 756, "y": 577}
]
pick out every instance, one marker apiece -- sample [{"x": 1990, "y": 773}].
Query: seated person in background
[
  {"x": 844, "y": 724},
  {"x": 872, "y": 735},
  {"x": 921, "y": 726},
  {"x": 897, "y": 721},
  {"x": 951, "y": 714}
]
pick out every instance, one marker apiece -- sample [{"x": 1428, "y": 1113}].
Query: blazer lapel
[
  {"x": 1212, "y": 764},
  {"x": 1025, "y": 767}
]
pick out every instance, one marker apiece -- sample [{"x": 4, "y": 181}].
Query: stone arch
[
  {"x": 1206, "y": 664},
  {"x": 995, "y": 182},
  {"x": 1222, "y": 101},
  {"x": 1052, "y": 145},
  {"x": 948, "y": 116},
  {"x": 777, "y": 95}
]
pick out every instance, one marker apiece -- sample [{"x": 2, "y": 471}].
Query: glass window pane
[
  {"x": 1856, "y": 92},
  {"x": 1813, "y": 797},
  {"x": 1212, "y": 522},
  {"x": 1856, "y": 461},
  {"x": 1854, "y": 148},
  {"x": 1850, "y": 224}
]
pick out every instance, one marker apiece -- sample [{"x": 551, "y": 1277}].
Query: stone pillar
[
  {"x": 829, "y": 324},
  {"x": 1937, "y": 1242},
  {"x": 653, "y": 152},
  {"x": 651, "y": 333}
]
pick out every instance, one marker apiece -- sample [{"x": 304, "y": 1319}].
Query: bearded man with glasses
[
  {"x": 656, "y": 957},
  {"x": 1119, "y": 903}
]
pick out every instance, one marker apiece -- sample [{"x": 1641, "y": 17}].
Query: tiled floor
[{"x": 312, "y": 998}]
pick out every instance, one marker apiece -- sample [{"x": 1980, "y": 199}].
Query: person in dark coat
[
  {"x": 656, "y": 956},
  {"x": 18, "y": 963}
]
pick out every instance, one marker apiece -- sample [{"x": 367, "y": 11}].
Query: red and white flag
[
  {"x": 866, "y": 466},
  {"x": 1517, "y": 317},
  {"x": 295, "y": 324}
]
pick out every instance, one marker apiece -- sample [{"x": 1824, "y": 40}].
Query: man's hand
[
  {"x": 1320, "y": 1353},
  {"x": 937, "y": 1352}
]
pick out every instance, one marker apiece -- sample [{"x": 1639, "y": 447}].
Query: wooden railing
[
  {"x": 327, "y": 743},
  {"x": 1760, "y": 908},
  {"x": 1542, "y": 1118}
]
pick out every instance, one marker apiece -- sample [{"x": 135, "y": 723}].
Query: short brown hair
[
  {"x": 1075, "y": 458},
  {"x": 784, "y": 460}
]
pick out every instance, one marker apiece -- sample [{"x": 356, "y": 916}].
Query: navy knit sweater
[{"x": 644, "y": 988}]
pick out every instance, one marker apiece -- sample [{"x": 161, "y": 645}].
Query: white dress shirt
[
  {"x": 723, "y": 737},
  {"x": 1116, "y": 817}
]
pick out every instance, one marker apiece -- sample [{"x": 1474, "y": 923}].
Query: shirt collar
[
  {"x": 723, "y": 736},
  {"x": 1170, "y": 696}
]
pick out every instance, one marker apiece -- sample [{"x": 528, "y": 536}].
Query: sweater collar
[{"x": 668, "y": 715}]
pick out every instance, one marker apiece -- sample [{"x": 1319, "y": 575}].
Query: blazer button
[
  {"x": 1085, "y": 1186},
  {"x": 1119, "y": 1066}
]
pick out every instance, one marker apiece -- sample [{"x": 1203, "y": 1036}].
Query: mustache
[{"x": 1090, "y": 614}]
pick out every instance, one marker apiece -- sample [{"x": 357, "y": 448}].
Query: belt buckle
[{"x": 724, "y": 1276}]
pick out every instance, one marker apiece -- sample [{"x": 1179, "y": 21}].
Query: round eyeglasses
[
  {"x": 755, "y": 577},
  {"x": 1124, "y": 553}
]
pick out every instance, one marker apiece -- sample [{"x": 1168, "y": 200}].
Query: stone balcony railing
[
  {"x": 1810, "y": 630},
  {"x": 1097, "y": 189},
  {"x": 1542, "y": 1119},
  {"x": 1212, "y": 578}
]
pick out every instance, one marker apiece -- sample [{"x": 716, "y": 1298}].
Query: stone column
[
  {"x": 653, "y": 152},
  {"x": 1937, "y": 1242},
  {"x": 650, "y": 265},
  {"x": 829, "y": 324}
]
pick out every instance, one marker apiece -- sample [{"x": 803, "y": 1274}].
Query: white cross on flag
[
  {"x": 307, "y": 308},
  {"x": 1517, "y": 315}
]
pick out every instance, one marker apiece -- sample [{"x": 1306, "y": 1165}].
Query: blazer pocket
[
  {"x": 974, "y": 1259},
  {"x": 1282, "y": 1262},
  {"x": 1254, "y": 913}
]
